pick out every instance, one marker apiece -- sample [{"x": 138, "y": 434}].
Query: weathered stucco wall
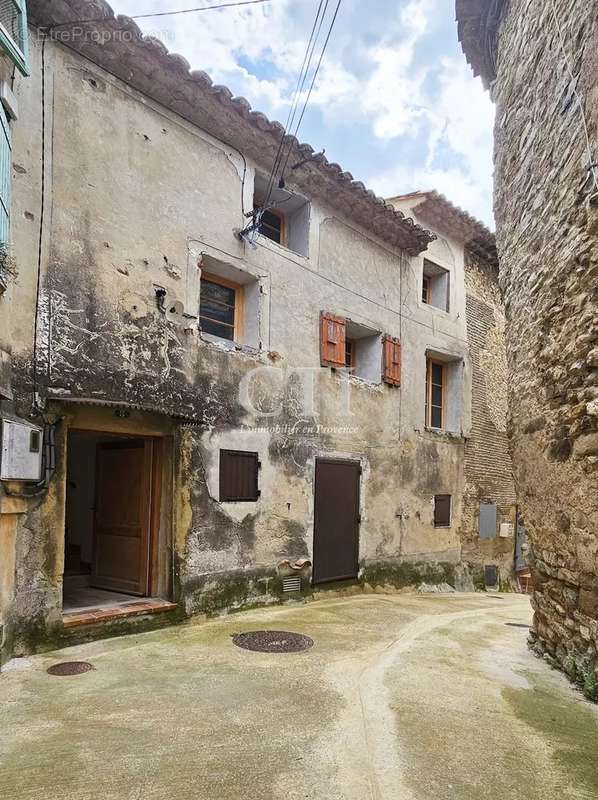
[
  {"x": 548, "y": 245},
  {"x": 136, "y": 197}
]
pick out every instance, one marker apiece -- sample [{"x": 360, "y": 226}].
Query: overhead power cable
[
  {"x": 161, "y": 13},
  {"x": 286, "y": 142},
  {"x": 296, "y": 94},
  {"x": 313, "y": 81},
  {"x": 201, "y": 8}
]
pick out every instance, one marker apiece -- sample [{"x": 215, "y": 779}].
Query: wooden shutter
[
  {"x": 13, "y": 33},
  {"x": 5, "y": 176},
  {"x": 238, "y": 476},
  {"x": 391, "y": 372},
  {"x": 332, "y": 340}
]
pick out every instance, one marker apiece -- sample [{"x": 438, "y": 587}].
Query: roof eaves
[
  {"x": 477, "y": 27},
  {"x": 435, "y": 209},
  {"x": 147, "y": 65}
]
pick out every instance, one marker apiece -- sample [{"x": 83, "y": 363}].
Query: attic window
[
  {"x": 285, "y": 219},
  {"x": 272, "y": 226},
  {"x": 435, "y": 286}
]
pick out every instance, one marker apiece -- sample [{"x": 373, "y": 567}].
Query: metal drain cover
[
  {"x": 70, "y": 668},
  {"x": 273, "y": 641}
]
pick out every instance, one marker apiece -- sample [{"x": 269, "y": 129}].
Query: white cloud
[
  {"x": 376, "y": 73},
  {"x": 458, "y": 131}
]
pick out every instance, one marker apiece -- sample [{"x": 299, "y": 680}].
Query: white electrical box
[
  {"x": 21, "y": 455},
  {"x": 506, "y": 530}
]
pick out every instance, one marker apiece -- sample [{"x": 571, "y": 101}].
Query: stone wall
[
  {"x": 547, "y": 227},
  {"x": 488, "y": 469}
]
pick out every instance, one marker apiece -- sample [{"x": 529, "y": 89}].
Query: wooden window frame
[
  {"x": 283, "y": 227},
  {"x": 450, "y": 513},
  {"x": 426, "y": 290},
  {"x": 239, "y": 303},
  {"x": 429, "y": 362},
  {"x": 350, "y": 352},
  {"x": 244, "y": 454}
]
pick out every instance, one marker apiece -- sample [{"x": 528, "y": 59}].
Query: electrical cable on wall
[
  {"x": 36, "y": 411},
  {"x": 592, "y": 161}
]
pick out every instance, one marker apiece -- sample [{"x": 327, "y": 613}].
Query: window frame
[
  {"x": 19, "y": 56},
  {"x": 428, "y": 407},
  {"x": 283, "y": 228},
  {"x": 238, "y": 309},
  {"x": 430, "y": 281},
  {"x": 450, "y": 511},
  {"x": 350, "y": 352},
  {"x": 244, "y": 454},
  {"x": 426, "y": 290}
]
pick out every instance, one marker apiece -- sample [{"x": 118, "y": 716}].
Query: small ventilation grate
[
  {"x": 291, "y": 584},
  {"x": 273, "y": 641},
  {"x": 70, "y": 668}
]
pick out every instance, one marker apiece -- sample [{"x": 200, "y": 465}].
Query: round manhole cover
[
  {"x": 70, "y": 668},
  {"x": 273, "y": 641}
]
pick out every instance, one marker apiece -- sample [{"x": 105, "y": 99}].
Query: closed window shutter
[
  {"x": 392, "y": 361},
  {"x": 13, "y": 33},
  {"x": 238, "y": 476},
  {"x": 332, "y": 340},
  {"x": 5, "y": 176}
]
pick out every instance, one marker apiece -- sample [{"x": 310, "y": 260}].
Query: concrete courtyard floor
[{"x": 409, "y": 697}]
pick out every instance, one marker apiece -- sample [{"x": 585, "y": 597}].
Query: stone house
[
  {"x": 239, "y": 390},
  {"x": 540, "y": 62}
]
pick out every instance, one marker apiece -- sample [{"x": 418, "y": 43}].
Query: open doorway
[{"x": 112, "y": 517}]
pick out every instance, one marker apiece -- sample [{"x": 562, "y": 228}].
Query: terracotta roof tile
[{"x": 435, "y": 209}]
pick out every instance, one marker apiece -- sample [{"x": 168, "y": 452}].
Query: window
[
  {"x": 350, "y": 354},
  {"x": 239, "y": 476},
  {"x": 442, "y": 511},
  {"x": 220, "y": 307},
  {"x": 285, "y": 220},
  {"x": 5, "y": 177},
  {"x": 435, "y": 394},
  {"x": 425, "y": 289},
  {"x": 272, "y": 226},
  {"x": 350, "y": 345},
  {"x": 13, "y": 33},
  {"x": 435, "y": 286}
]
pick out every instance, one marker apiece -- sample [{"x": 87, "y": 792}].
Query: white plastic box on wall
[
  {"x": 21, "y": 453},
  {"x": 506, "y": 530}
]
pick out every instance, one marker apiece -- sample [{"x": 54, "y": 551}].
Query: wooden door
[
  {"x": 123, "y": 515},
  {"x": 336, "y": 520}
]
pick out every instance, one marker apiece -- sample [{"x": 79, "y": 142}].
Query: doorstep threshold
[{"x": 146, "y": 605}]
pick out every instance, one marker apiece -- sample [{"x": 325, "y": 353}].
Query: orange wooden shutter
[
  {"x": 332, "y": 340},
  {"x": 392, "y": 361}
]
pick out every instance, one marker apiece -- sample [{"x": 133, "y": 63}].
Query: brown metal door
[
  {"x": 336, "y": 520},
  {"x": 123, "y": 516}
]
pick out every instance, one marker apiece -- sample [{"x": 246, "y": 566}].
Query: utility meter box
[{"x": 21, "y": 453}]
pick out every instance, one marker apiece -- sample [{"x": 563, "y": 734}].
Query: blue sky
[{"x": 395, "y": 102}]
